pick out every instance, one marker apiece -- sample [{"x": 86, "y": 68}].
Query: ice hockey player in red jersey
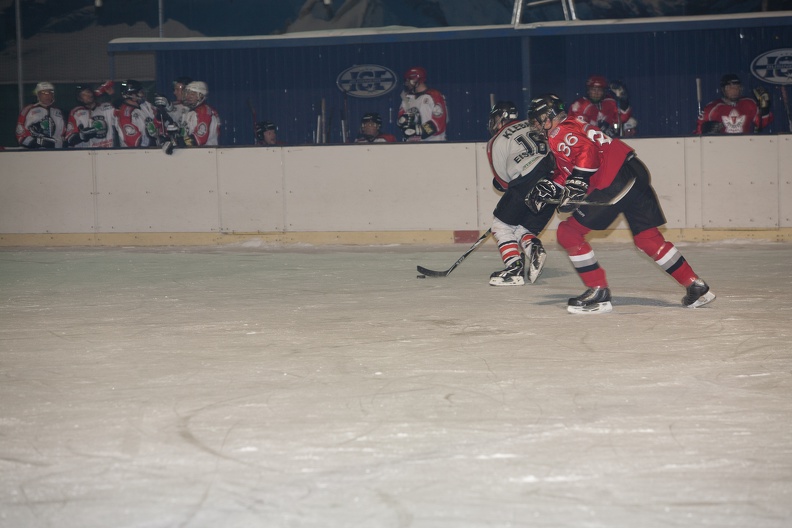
[
  {"x": 423, "y": 114},
  {"x": 41, "y": 125},
  {"x": 610, "y": 111},
  {"x": 598, "y": 168},
  {"x": 521, "y": 163},
  {"x": 733, "y": 113}
]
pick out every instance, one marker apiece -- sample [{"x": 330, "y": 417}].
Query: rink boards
[{"x": 710, "y": 188}]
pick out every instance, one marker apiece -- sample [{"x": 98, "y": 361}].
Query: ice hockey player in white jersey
[
  {"x": 41, "y": 125},
  {"x": 91, "y": 124},
  {"x": 423, "y": 114},
  {"x": 521, "y": 163}
]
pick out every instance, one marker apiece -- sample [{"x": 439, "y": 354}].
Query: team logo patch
[
  {"x": 366, "y": 80},
  {"x": 774, "y": 67},
  {"x": 130, "y": 130},
  {"x": 201, "y": 131}
]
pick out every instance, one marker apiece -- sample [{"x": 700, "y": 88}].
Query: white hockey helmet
[
  {"x": 198, "y": 87},
  {"x": 195, "y": 93},
  {"x": 44, "y": 86}
]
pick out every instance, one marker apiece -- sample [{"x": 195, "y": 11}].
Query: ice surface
[{"x": 327, "y": 387}]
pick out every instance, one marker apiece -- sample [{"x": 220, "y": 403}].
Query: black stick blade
[{"x": 432, "y": 273}]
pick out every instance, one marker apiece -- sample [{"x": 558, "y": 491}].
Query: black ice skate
[
  {"x": 513, "y": 275},
  {"x": 698, "y": 294},
  {"x": 536, "y": 259},
  {"x": 593, "y": 300}
]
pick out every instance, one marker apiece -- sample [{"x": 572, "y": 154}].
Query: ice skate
[
  {"x": 593, "y": 300},
  {"x": 513, "y": 275},
  {"x": 536, "y": 258},
  {"x": 698, "y": 294}
]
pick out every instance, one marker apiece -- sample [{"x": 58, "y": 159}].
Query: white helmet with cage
[{"x": 195, "y": 93}]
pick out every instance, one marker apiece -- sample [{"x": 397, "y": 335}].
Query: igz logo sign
[
  {"x": 774, "y": 66},
  {"x": 366, "y": 80}
]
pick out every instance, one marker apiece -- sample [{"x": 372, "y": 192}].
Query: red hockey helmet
[
  {"x": 597, "y": 80},
  {"x": 416, "y": 73}
]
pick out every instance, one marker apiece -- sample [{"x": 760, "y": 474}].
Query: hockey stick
[
  {"x": 612, "y": 201},
  {"x": 698, "y": 94},
  {"x": 255, "y": 120},
  {"x": 433, "y": 273}
]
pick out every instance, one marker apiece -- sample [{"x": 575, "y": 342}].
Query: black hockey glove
[
  {"x": 45, "y": 142},
  {"x": 497, "y": 185},
  {"x": 619, "y": 90},
  {"x": 763, "y": 100},
  {"x": 406, "y": 121},
  {"x": 575, "y": 189},
  {"x": 711, "y": 127},
  {"x": 87, "y": 133},
  {"x": 544, "y": 190}
]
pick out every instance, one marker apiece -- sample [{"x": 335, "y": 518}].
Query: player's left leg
[{"x": 668, "y": 257}]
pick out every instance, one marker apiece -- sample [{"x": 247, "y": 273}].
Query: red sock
[
  {"x": 665, "y": 255},
  {"x": 571, "y": 235}
]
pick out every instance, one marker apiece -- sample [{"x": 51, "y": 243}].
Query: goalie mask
[
  {"x": 195, "y": 94},
  {"x": 501, "y": 114}
]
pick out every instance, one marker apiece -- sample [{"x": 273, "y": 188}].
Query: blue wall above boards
[{"x": 286, "y": 78}]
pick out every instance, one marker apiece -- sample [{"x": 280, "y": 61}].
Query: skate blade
[
  {"x": 514, "y": 281},
  {"x": 701, "y": 301},
  {"x": 603, "y": 307},
  {"x": 535, "y": 268}
]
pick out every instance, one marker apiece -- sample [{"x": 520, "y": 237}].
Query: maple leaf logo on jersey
[{"x": 733, "y": 122}]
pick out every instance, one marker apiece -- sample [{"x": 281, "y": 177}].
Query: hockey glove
[
  {"x": 406, "y": 121},
  {"x": 575, "y": 190},
  {"x": 763, "y": 100},
  {"x": 711, "y": 127},
  {"x": 45, "y": 142},
  {"x": 543, "y": 190},
  {"x": 87, "y": 133},
  {"x": 160, "y": 101},
  {"x": 410, "y": 128},
  {"x": 619, "y": 90},
  {"x": 497, "y": 185}
]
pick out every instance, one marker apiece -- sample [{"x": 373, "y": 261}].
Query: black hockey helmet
[
  {"x": 501, "y": 113},
  {"x": 729, "y": 78},
  {"x": 372, "y": 117},
  {"x": 263, "y": 126},
  {"x": 184, "y": 81},
  {"x": 130, "y": 88},
  {"x": 545, "y": 107},
  {"x": 80, "y": 88}
]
